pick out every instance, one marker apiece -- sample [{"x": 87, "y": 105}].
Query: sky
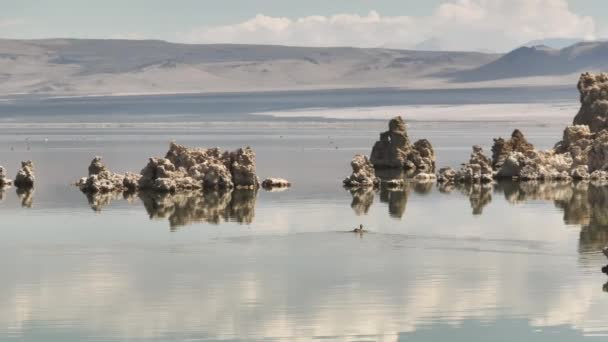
[{"x": 487, "y": 25}]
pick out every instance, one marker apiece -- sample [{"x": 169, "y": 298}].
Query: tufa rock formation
[
  {"x": 364, "y": 174},
  {"x": 194, "y": 168},
  {"x": 271, "y": 183},
  {"x": 182, "y": 169},
  {"x": 582, "y": 154},
  {"x": 394, "y": 150},
  {"x": 25, "y": 176},
  {"x": 102, "y": 180},
  {"x": 593, "y": 89},
  {"x": 477, "y": 170},
  {"x": 502, "y": 148},
  {"x": 4, "y": 181}
]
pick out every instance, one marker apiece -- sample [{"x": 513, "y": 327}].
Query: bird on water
[{"x": 360, "y": 229}]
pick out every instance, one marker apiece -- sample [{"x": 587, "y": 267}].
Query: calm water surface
[{"x": 508, "y": 261}]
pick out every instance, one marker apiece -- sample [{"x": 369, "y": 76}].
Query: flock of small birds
[{"x": 28, "y": 145}]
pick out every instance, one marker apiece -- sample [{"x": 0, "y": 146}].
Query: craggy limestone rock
[
  {"x": 578, "y": 136},
  {"x": 4, "y": 181},
  {"x": 102, "y": 180},
  {"x": 446, "y": 175},
  {"x": 593, "y": 90},
  {"x": 478, "y": 169},
  {"x": 364, "y": 174},
  {"x": 182, "y": 169},
  {"x": 271, "y": 183},
  {"x": 502, "y": 148},
  {"x": 25, "y": 176},
  {"x": 96, "y": 166},
  {"x": 394, "y": 150},
  {"x": 186, "y": 168},
  {"x": 243, "y": 168},
  {"x": 597, "y": 157},
  {"x": 580, "y": 173},
  {"x": 536, "y": 165}
]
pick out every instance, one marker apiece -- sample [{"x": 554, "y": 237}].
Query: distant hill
[
  {"x": 81, "y": 66},
  {"x": 554, "y": 43},
  {"x": 539, "y": 61},
  {"x": 100, "y": 67}
]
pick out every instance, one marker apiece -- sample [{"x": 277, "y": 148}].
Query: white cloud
[{"x": 458, "y": 24}]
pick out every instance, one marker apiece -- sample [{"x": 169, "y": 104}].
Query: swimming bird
[{"x": 359, "y": 230}]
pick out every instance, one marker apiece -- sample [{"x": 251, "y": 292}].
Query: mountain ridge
[{"x": 64, "y": 66}]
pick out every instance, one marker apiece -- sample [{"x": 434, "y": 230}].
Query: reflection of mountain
[
  {"x": 396, "y": 198},
  {"x": 182, "y": 209}
]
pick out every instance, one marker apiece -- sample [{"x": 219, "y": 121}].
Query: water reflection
[
  {"x": 213, "y": 207},
  {"x": 182, "y": 209},
  {"x": 98, "y": 201},
  {"x": 396, "y": 197},
  {"x": 480, "y": 195},
  {"x": 582, "y": 203},
  {"x": 26, "y": 196}
]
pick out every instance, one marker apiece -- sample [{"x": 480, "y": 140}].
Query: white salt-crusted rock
[
  {"x": 102, "y": 180},
  {"x": 182, "y": 169},
  {"x": 478, "y": 169},
  {"x": 186, "y": 168},
  {"x": 364, "y": 174},
  {"x": 271, "y": 183}
]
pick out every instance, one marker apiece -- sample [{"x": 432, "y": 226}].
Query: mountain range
[{"x": 100, "y": 67}]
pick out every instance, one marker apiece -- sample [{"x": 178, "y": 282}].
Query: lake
[{"x": 511, "y": 261}]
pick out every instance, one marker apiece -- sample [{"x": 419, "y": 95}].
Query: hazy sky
[{"x": 451, "y": 24}]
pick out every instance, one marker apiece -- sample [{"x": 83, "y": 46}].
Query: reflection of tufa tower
[
  {"x": 396, "y": 197},
  {"x": 186, "y": 208}
]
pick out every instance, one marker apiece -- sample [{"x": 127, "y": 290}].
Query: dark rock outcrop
[
  {"x": 593, "y": 89},
  {"x": 25, "y": 177},
  {"x": 4, "y": 181},
  {"x": 394, "y": 150},
  {"x": 502, "y": 148}
]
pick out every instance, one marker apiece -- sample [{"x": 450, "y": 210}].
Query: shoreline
[{"x": 6, "y": 98}]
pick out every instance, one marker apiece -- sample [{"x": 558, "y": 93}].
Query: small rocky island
[
  {"x": 182, "y": 169},
  {"x": 394, "y": 156}
]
